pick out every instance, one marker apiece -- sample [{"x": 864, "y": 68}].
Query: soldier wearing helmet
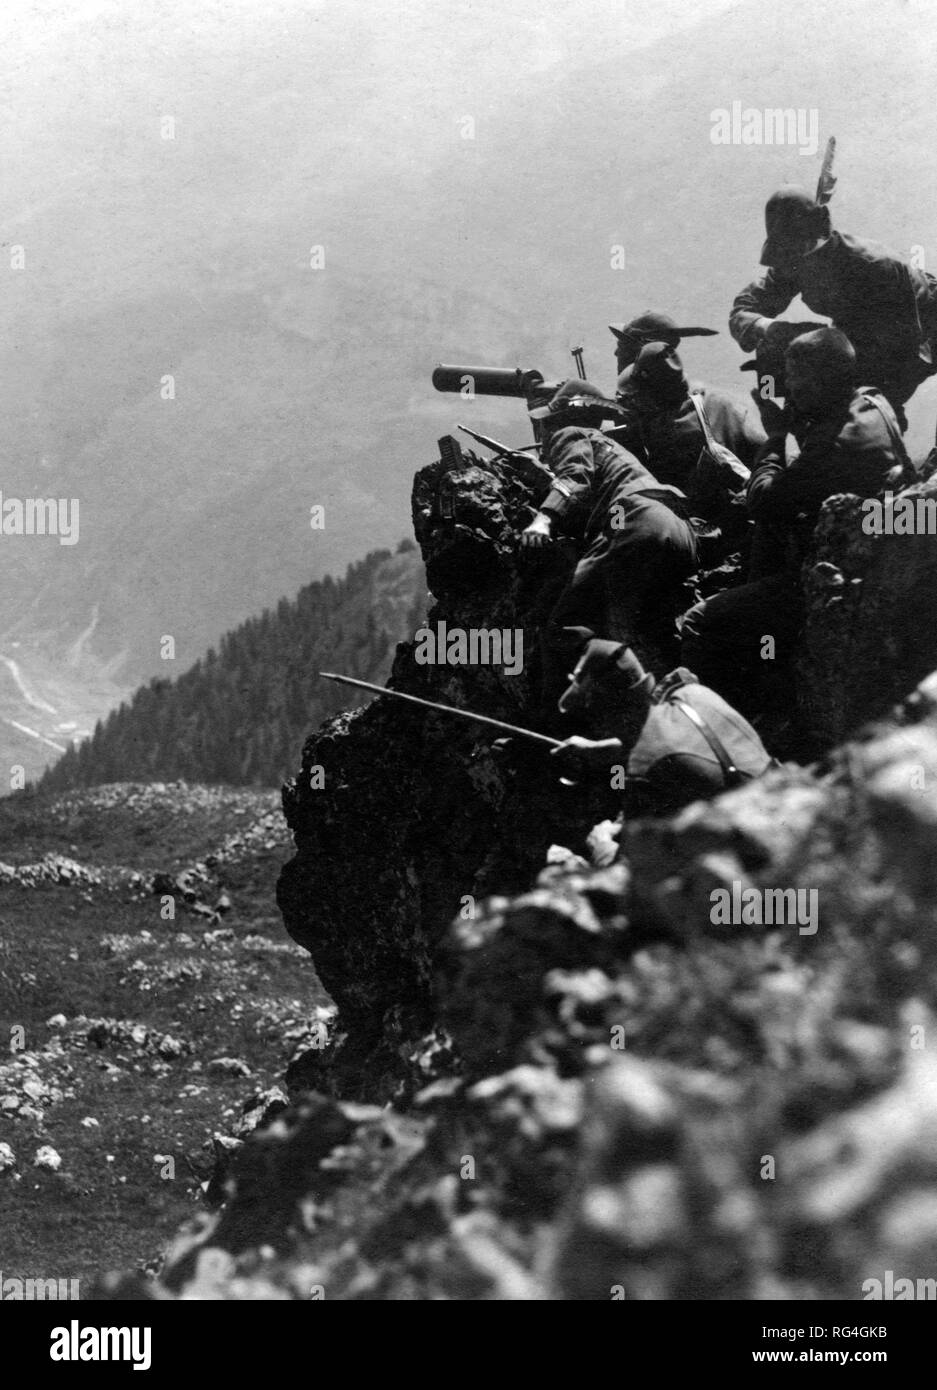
[{"x": 886, "y": 307}]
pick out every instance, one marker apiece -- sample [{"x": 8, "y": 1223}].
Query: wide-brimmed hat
[{"x": 651, "y": 327}]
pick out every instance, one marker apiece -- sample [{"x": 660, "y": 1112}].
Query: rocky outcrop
[
  {"x": 606, "y": 1085},
  {"x": 648, "y": 1103},
  {"x": 870, "y": 635},
  {"x": 403, "y": 818}
]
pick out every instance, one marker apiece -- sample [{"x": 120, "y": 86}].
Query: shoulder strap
[
  {"x": 697, "y": 400},
  {"x": 733, "y": 776},
  {"x": 893, "y": 432}
]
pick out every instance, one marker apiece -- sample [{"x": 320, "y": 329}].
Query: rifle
[
  {"x": 444, "y": 709},
  {"x": 499, "y": 450},
  {"x": 533, "y": 471}
]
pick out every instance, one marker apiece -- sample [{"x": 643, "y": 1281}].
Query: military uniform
[
  {"x": 638, "y": 547},
  {"x": 851, "y": 449},
  {"x": 702, "y": 441},
  {"x": 678, "y": 740},
  {"x": 670, "y": 439},
  {"x": 886, "y": 307},
  {"x": 693, "y": 745}
]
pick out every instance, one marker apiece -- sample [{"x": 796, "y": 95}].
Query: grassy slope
[{"x": 74, "y": 950}]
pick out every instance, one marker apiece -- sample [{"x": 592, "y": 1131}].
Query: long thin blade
[
  {"x": 827, "y": 180},
  {"x": 443, "y": 709},
  {"x": 489, "y": 443}
]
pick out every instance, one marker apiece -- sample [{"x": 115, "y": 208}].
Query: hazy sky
[{"x": 341, "y": 123}]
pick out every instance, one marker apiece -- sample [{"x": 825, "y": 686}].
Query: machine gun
[{"x": 529, "y": 386}]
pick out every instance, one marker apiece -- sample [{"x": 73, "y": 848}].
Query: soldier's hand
[
  {"x": 772, "y": 333},
  {"x": 538, "y": 533},
  {"x": 773, "y": 416},
  {"x": 588, "y": 754}
]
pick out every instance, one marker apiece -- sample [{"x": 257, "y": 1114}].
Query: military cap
[
  {"x": 575, "y": 397},
  {"x": 601, "y": 659},
  {"x": 651, "y": 327}
]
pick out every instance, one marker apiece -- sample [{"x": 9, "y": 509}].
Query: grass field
[{"x": 130, "y": 1105}]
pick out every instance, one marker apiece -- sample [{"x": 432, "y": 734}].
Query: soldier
[
  {"x": 849, "y": 442},
  {"x": 886, "y": 307},
  {"x": 637, "y": 544},
  {"x": 675, "y": 431},
  {"x": 650, "y": 327},
  {"x": 675, "y": 740}
]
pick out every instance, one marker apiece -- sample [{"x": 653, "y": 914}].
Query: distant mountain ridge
[
  {"x": 175, "y": 356},
  {"x": 241, "y": 714}
]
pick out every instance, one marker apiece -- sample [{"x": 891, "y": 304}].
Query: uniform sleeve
[
  {"x": 765, "y": 482},
  {"x": 765, "y": 297},
  {"x": 885, "y": 307},
  {"x": 572, "y": 462}
]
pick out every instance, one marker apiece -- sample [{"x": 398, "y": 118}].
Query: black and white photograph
[{"x": 468, "y": 666}]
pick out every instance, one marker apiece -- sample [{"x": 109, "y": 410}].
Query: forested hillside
[{"x": 241, "y": 713}]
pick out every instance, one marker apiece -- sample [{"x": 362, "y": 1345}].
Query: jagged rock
[
  {"x": 417, "y": 817},
  {"x": 602, "y": 1091},
  {"x": 870, "y": 636},
  {"x": 273, "y": 1174},
  {"x": 416, "y": 820},
  {"x": 112, "y": 1032},
  {"x": 57, "y": 868},
  {"x": 658, "y": 1211},
  {"x": 490, "y": 987},
  {"x": 228, "y": 1066},
  {"x": 47, "y": 1159}
]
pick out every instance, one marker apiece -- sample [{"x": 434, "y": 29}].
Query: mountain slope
[
  {"x": 239, "y": 714},
  {"x": 297, "y": 126}
]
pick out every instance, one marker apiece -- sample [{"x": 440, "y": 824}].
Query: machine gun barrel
[{"x": 494, "y": 381}]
